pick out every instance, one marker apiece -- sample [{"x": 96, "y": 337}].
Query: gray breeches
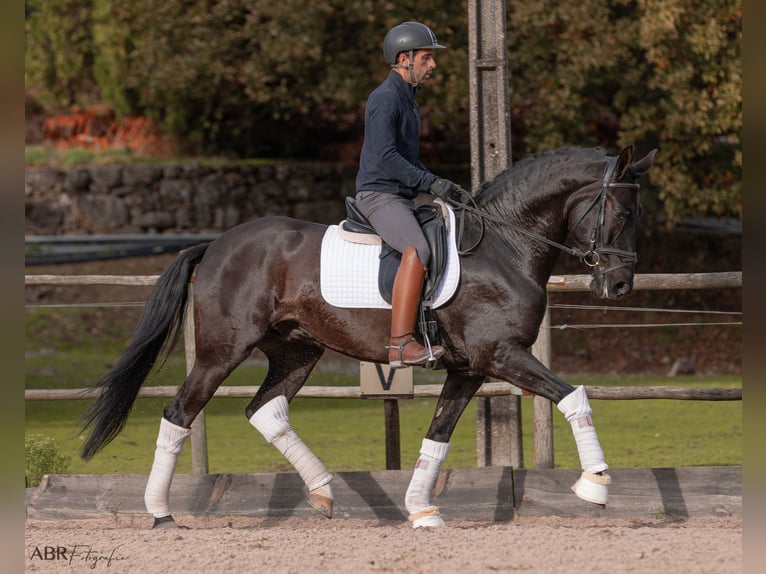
[{"x": 393, "y": 218}]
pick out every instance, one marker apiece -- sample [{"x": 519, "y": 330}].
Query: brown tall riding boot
[{"x": 403, "y": 349}]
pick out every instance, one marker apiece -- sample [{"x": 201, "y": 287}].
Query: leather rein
[{"x": 591, "y": 257}]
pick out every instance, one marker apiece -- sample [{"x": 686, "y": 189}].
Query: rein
[{"x": 591, "y": 257}]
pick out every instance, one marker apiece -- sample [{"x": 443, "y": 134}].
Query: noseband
[{"x": 592, "y": 257}]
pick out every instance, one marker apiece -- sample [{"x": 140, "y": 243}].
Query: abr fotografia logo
[{"x": 77, "y": 554}]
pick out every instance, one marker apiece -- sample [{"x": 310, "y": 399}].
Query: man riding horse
[{"x": 390, "y": 176}]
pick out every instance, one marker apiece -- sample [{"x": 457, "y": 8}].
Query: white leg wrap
[
  {"x": 273, "y": 422},
  {"x": 170, "y": 443},
  {"x": 418, "y": 497},
  {"x": 577, "y": 411}
]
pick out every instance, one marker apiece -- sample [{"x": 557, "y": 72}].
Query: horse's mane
[{"x": 530, "y": 175}]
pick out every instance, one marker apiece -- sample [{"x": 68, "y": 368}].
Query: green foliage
[
  {"x": 284, "y": 78},
  {"x": 42, "y": 456},
  {"x": 36, "y": 155},
  {"x": 659, "y": 73},
  {"x": 60, "y": 51}
]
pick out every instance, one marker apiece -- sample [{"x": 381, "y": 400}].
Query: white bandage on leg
[
  {"x": 170, "y": 443},
  {"x": 273, "y": 422},
  {"x": 418, "y": 497},
  {"x": 577, "y": 411}
]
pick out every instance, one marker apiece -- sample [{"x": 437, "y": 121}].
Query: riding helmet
[{"x": 408, "y": 36}]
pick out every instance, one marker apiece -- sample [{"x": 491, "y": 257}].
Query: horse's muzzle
[{"x": 613, "y": 285}]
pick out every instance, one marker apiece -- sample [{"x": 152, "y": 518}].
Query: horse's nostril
[{"x": 622, "y": 288}]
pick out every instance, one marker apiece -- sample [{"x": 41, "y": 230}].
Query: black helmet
[{"x": 408, "y": 36}]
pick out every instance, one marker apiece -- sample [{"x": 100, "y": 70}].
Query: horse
[{"x": 258, "y": 286}]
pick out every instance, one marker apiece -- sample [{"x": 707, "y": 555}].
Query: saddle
[{"x": 433, "y": 222}]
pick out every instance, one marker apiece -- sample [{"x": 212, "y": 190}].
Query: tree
[
  {"x": 659, "y": 73},
  {"x": 285, "y": 77},
  {"x": 59, "y": 56}
]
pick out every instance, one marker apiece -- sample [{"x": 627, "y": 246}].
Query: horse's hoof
[
  {"x": 166, "y": 522},
  {"x": 427, "y": 518},
  {"x": 593, "y": 487},
  {"x": 322, "y": 503}
]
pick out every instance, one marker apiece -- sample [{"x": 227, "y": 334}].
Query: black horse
[{"x": 258, "y": 286}]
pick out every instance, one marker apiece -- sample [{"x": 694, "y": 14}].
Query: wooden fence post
[
  {"x": 543, "y": 408},
  {"x": 199, "y": 428},
  {"x": 498, "y": 419}
]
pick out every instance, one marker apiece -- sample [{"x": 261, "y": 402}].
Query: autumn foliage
[{"x": 98, "y": 128}]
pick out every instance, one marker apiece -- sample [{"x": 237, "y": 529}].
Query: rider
[{"x": 390, "y": 176}]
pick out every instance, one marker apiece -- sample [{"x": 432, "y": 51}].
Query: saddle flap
[{"x": 429, "y": 215}]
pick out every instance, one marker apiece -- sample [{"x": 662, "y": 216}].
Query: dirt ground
[{"x": 541, "y": 545}]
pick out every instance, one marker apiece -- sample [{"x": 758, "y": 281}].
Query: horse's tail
[{"x": 157, "y": 331}]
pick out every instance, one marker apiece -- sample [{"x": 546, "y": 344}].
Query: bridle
[{"x": 593, "y": 256}]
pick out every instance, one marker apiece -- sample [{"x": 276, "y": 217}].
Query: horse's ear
[
  {"x": 643, "y": 165},
  {"x": 623, "y": 162}
]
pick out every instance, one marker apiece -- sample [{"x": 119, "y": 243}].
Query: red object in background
[{"x": 99, "y": 128}]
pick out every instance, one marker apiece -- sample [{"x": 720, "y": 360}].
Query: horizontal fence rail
[
  {"x": 543, "y": 423},
  {"x": 557, "y": 283},
  {"x": 497, "y": 389}
]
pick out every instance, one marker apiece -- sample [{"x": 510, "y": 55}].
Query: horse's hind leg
[
  {"x": 289, "y": 366},
  {"x": 197, "y": 390},
  {"x": 455, "y": 396}
]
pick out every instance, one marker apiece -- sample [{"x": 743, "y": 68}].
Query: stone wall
[{"x": 185, "y": 197}]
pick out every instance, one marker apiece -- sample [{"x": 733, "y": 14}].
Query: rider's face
[{"x": 422, "y": 66}]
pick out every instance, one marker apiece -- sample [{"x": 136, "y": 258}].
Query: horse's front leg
[
  {"x": 526, "y": 371},
  {"x": 455, "y": 396}
]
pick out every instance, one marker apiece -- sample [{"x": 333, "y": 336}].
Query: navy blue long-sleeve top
[{"x": 389, "y": 158}]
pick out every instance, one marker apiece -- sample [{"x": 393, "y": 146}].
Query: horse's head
[{"x": 604, "y": 225}]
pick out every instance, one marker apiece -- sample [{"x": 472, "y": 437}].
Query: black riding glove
[{"x": 446, "y": 190}]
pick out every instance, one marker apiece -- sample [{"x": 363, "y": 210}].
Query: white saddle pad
[{"x": 349, "y": 271}]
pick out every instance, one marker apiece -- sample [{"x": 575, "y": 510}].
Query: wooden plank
[
  {"x": 496, "y": 389},
  {"x": 475, "y": 494},
  {"x": 656, "y": 281},
  {"x": 490, "y": 494},
  {"x": 559, "y": 283},
  {"x": 137, "y": 280},
  {"x": 663, "y": 392},
  {"x": 393, "y": 440},
  {"x": 640, "y": 492}
]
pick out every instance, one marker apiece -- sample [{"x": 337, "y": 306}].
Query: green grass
[
  {"x": 346, "y": 434},
  {"x": 48, "y": 155},
  {"x": 349, "y": 434}
]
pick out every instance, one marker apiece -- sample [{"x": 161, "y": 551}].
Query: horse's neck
[
  {"x": 518, "y": 253},
  {"x": 542, "y": 216}
]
